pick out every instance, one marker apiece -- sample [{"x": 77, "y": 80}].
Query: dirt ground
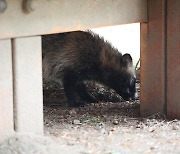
[{"x": 110, "y": 126}]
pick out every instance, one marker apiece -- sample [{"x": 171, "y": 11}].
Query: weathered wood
[
  {"x": 53, "y": 16},
  {"x": 6, "y": 90},
  {"x": 28, "y": 103},
  {"x": 153, "y": 89},
  {"x": 173, "y": 58}
]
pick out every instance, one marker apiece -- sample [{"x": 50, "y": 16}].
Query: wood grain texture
[
  {"x": 153, "y": 99},
  {"x": 173, "y": 58}
]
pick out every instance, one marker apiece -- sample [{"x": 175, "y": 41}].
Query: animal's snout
[
  {"x": 132, "y": 97},
  {"x": 136, "y": 95}
]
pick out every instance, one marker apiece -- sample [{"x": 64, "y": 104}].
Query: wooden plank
[
  {"x": 61, "y": 16},
  {"x": 153, "y": 89},
  {"x": 6, "y": 90},
  {"x": 28, "y": 103},
  {"x": 173, "y": 58}
]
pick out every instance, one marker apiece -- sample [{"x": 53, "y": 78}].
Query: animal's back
[{"x": 73, "y": 50}]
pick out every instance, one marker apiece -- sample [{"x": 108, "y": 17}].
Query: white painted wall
[{"x": 126, "y": 38}]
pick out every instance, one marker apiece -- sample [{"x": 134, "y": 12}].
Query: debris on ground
[{"x": 111, "y": 126}]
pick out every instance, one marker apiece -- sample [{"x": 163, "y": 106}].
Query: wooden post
[
  {"x": 173, "y": 58},
  {"x": 28, "y": 103},
  {"x": 153, "y": 68},
  {"x": 160, "y": 59},
  {"x": 6, "y": 90}
]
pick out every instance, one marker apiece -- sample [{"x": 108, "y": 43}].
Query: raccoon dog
[{"x": 73, "y": 57}]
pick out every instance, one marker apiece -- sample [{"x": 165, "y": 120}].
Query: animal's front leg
[
  {"x": 84, "y": 94},
  {"x": 69, "y": 84}
]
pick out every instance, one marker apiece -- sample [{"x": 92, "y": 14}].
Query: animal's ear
[{"x": 126, "y": 60}]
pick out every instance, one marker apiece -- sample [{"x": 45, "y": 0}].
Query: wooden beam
[
  {"x": 153, "y": 68},
  {"x": 28, "y": 103},
  {"x": 173, "y": 58},
  {"x": 6, "y": 90},
  {"x": 53, "y": 16}
]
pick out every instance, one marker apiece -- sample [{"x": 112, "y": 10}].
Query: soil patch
[{"x": 110, "y": 126}]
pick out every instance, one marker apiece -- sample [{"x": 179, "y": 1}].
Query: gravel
[{"x": 110, "y": 126}]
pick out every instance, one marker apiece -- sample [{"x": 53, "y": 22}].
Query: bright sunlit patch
[{"x": 126, "y": 38}]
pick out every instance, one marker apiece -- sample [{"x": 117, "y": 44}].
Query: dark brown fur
[{"x": 70, "y": 58}]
